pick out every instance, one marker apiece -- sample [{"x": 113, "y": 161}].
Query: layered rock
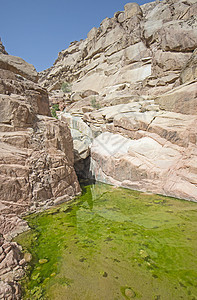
[
  {"x": 180, "y": 99},
  {"x": 189, "y": 72},
  {"x": 148, "y": 151},
  {"x": 138, "y": 146},
  {"x": 36, "y": 157},
  {"x": 140, "y": 51},
  {"x": 142, "y": 64},
  {"x": 18, "y": 66},
  {"x": 36, "y": 162}
]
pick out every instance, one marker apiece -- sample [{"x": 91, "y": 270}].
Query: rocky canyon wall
[
  {"x": 141, "y": 51},
  {"x": 131, "y": 105},
  {"x": 36, "y": 161},
  {"x": 134, "y": 85},
  {"x": 36, "y": 150}
]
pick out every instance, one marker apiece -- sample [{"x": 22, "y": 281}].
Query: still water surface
[{"x": 113, "y": 244}]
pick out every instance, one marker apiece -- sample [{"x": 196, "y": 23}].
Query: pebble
[
  {"x": 129, "y": 293},
  {"x": 43, "y": 261}
]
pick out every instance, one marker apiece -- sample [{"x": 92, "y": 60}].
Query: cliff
[
  {"x": 133, "y": 103},
  {"x": 36, "y": 162},
  {"x": 141, "y": 51}
]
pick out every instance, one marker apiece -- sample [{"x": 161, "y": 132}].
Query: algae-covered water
[{"x": 111, "y": 244}]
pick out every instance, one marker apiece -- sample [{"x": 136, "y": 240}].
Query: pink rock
[{"x": 145, "y": 164}]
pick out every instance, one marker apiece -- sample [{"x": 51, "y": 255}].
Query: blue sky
[{"x": 37, "y": 30}]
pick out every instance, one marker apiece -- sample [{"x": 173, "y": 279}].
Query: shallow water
[{"x": 112, "y": 244}]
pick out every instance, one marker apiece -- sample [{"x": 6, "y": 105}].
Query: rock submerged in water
[
  {"x": 104, "y": 274},
  {"x": 43, "y": 261},
  {"x": 129, "y": 293},
  {"x": 27, "y": 257}
]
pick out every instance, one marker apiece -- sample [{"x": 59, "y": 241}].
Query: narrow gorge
[{"x": 119, "y": 108}]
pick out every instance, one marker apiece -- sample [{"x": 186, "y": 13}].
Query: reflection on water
[{"x": 113, "y": 243}]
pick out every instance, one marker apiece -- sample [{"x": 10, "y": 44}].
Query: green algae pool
[{"x": 110, "y": 244}]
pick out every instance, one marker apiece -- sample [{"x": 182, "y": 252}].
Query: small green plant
[
  {"x": 95, "y": 104},
  {"x": 66, "y": 87},
  {"x": 54, "y": 108}
]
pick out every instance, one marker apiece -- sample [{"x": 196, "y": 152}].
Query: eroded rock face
[
  {"x": 82, "y": 136},
  {"x": 180, "y": 99},
  {"x": 11, "y": 270},
  {"x": 149, "y": 151},
  {"x": 189, "y": 72},
  {"x": 141, "y": 64},
  {"x": 142, "y": 48},
  {"x": 139, "y": 146},
  {"x": 37, "y": 166},
  {"x": 36, "y": 157},
  {"x": 36, "y": 162},
  {"x": 18, "y": 66}
]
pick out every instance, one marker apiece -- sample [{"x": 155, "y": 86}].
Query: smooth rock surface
[
  {"x": 183, "y": 99},
  {"x": 147, "y": 164},
  {"x": 189, "y": 72},
  {"x": 19, "y": 66}
]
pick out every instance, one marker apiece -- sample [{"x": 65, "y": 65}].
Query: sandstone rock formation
[
  {"x": 140, "y": 51},
  {"x": 142, "y": 64},
  {"x": 36, "y": 162}
]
